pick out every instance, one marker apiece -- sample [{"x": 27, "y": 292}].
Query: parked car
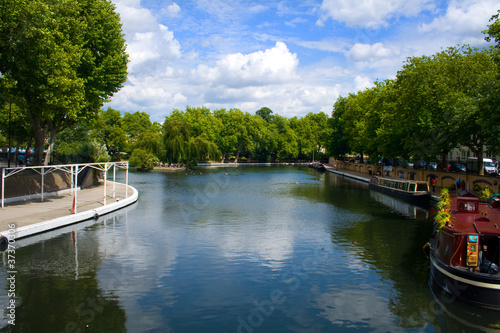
[
  {"x": 489, "y": 167},
  {"x": 432, "y": 166},
  {"x": 442, "y": 167},
  {"x": 419, "y": 165},
  {"x": 457, "y": 167}
]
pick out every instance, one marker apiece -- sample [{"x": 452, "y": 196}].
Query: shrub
[
  {"x": 443, "y": 216},
  {"x": 141, "y": 159}
]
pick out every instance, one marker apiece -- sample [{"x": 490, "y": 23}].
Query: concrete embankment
[
  {"x": 27, "y": 218},
  {"x": 354, "y": 175},
  {"x": 248, "y": 164}
]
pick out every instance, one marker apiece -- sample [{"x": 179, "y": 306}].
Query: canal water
[{"x": 249, "y": 249}]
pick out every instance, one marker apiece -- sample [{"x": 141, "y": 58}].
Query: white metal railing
[{"x": 74, "y": 170}]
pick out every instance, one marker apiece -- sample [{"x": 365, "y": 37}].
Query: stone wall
[{"x": 29, "y": 182}]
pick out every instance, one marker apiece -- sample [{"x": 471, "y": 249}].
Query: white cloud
[
  {"x": 362, "y": 82},
  {"x": 134, "y": 18},
  {"x": 173, "y": 10},
  {"x": 368, "y": 53},
  {"x": 246, "y": 55},
  {"x": 463, "y": 18},
  {"x": 274, "y": 65},
  {"x": 151, "y": 46},
  {"x": 369, "y": 13},
  {"x": 152, "y": 51}
]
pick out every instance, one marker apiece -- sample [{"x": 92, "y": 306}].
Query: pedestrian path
[
  {"x": 34, "y": 216},
  {"x": 347, "y": 173}
]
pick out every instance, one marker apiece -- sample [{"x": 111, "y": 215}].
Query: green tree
[
  {"x": 312, "y": 133},
  {"x": 426, "y": 87},
  {"x": 181, "y": 146},
  {"x": 13, "y": 122},
  {"x": 76, "y": 145},
  {"x": 493, "y": 30},
  {"x": 284, "y": 138},
  {"x": 67, "y": 58},
  {"x": 136, "y": 124},
  {"x": 234, "y": 136},
  {"x": 108, "y": 129},
  {"x": 142, "y": 159},
  {"x": 265, "y": 113},
  {"x": 338, "y": 144},
  {"x": 477, "y": 106}
]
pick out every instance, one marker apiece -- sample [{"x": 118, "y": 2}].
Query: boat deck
[{"x": 485, "y": 221}]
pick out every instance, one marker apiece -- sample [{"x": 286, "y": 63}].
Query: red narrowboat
[{"x": 464, "y": 254}]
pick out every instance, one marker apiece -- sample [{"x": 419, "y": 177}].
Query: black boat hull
[
  {"x": 423, "y": 199},
  {"x": 472, "y": 287}
]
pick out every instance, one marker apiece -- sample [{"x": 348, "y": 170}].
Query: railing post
[
  {"x": 114, "y": 183},
  {"x": 3, "y": 185},
  {"x": 105, "y": 180},
  {"x": 76, "y": 189},
  {"x": 126, "y": 181},
  {"x": 43, "y": 181}
]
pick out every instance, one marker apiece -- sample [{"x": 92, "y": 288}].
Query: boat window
[
  {"x": 421, "y": 187},
  {"x": 412, "y": 187},
  {"x": 467, "y": 206}
]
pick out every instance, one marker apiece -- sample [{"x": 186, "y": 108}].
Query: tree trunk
[
  {"x": 444, "y": 159},
  {"x": 28, "y": 149},
  {"x": 480, "y": 168},
  {"x": 40, "y": 134},
  {"x": 50, "y": 148},
  {"x": 16, "y": 155}
]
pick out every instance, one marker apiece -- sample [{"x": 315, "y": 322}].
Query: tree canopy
[
  {"x": 435, "y": 104},
  {"x": 64, "y": 58}
]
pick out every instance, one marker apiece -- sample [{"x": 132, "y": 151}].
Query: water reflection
[
  {"x": 453, "y": 316},
  {"x": 236, "y": 250},
  {"x": 65, "y": 264},
  {"x": 404, "y": 208}
]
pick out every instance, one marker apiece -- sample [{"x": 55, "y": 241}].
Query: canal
[{"x": 249, "y": 249}]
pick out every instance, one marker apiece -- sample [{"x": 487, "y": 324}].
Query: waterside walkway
[
  {"x": 35, "y": 216},
  {"x": 347, "y": 173}
]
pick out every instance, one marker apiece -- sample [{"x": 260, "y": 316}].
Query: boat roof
[
  {"x": 485, "y": 220},
  {"x": 402, "y": 180}
]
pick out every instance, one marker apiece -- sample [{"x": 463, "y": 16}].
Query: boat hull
[
  {"x": 419, "y": 199},
  {"x": 472, "y": 287}
]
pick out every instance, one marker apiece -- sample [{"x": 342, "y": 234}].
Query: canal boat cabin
[
  {"x": 413, "y": 191},
  {"x": 464, "y": 254}
]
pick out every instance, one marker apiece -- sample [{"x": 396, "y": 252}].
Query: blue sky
[{"x": 294, "y": 57}]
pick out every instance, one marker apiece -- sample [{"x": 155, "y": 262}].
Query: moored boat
[
  {"x": 464, "y": 253},
  {"x": 318, "y": 166},
  {"x": 413, "y": 191}
]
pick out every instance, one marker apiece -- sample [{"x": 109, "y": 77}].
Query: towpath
[{"x": 32, "y": 212}]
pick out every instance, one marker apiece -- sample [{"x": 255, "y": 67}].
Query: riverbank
[
  {"x": 250, "y": 164},
  {"x": 30, "y": 217}
]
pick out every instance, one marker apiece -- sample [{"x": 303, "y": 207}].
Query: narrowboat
[
  {"x": 413, "y": 191},
  {"x": 317, "y": 166},
  {"x": 464, "y": 253}
]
